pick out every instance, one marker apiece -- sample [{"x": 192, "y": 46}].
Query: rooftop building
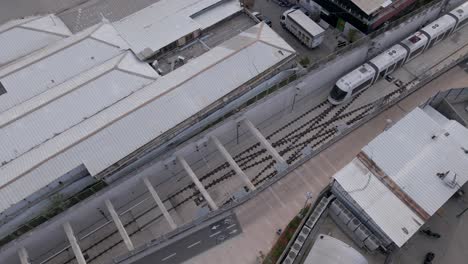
[
  {"x": 365, "y": 15},
  {"x": 55, "y": 64},
  {"x": 171, "y": 23},
  {"x": 102, "y": 119},
  {"x": 402, "y": 177},
  {"x": 21, "y": 37}
]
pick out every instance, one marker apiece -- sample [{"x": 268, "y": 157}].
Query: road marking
[
  {"x": 231, "y": 226},
  {"x": 214, "y": 227},
  {"x": 194, "y": 244},
  {"x": 168, "y": 257},
  {"x": 212, "y": 235},
  {"x": 233, "y": 231}
]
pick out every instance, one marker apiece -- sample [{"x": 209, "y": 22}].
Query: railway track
[{"x": 314, "y": 128}]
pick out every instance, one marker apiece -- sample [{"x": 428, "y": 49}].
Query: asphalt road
[{"x": 195, "y": 242}]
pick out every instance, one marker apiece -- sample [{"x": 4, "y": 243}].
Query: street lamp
[{"x": 308, "y": 196}]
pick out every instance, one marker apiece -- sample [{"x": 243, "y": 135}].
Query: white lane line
[
  {"x": 212, "y": 235},
  {"x": 194, "y": 244},
  {"x": 231, "y": 226},
  {"x": 168, "y": 257}
]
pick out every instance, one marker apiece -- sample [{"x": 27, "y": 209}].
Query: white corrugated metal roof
[
  {"x": 329, "y": 250},
  {"x": 166, "y": 21},
  {"x": 21, "y": 37},
  {"x": 306, "y": 23},
  {"x": 411, "y": 158},
  {"x": 379, "y": 202},
  {"x": 108, "y": 136},
  {"x": 64, "y": 106},
  {"x": 410, "y": 155},
  {"x": 57, "y": 63}
]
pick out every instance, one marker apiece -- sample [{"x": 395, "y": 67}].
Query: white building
[
  {"x": 171, "y": 23},
  {"x": 21, "y": 37},
  {"x": 103, "y": 118},
  {"x": 403, "y": 176}
]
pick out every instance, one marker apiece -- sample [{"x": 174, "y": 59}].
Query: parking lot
[{"x": 273, "y": 11}]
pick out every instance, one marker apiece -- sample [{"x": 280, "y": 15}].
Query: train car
[
  {"x": 460, "y": 14},
  {"x": 399, "y": 54},
  {"x": 353, "y": 82}
]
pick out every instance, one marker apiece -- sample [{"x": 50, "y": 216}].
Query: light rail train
[{"x": 388, "y": 61}]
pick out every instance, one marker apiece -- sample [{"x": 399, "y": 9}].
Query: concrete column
[
  {"x": 23, "y": 256},
  {"x": 161, "y": 206},
  {"x": 120, "y": 227},
  {"x": 197, "y": 182},
  {"x": 232, "y": 162},
  {"x": 74, "y": 243},
  {"x": 281, "y": 163}
]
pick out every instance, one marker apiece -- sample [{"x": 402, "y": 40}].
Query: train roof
[
  {"x": 461, "y": 12},
  {"x": 439, "y": 26},
  {"x": 389, "y": 57},
  {"x": 356, "y": 77},
  {"x": 416, "y": 40}
]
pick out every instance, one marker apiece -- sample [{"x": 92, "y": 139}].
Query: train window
[
  {"x": 337, "y": 93},
  {"x": 382, "y": 73},
  {"x": 414, "y": 39},
  {"x": 362, "y": 86},
  {"x": 391, "y": 68},
  {"x": 416, "y": 53},
  {"x": 399, "y": 63},
  {"x": 2, "y": 89},
  {"x": 462, "y": 23}
]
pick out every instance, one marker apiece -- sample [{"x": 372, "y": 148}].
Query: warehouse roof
[
  {"x": 370, "y": 6},
  {"x": 379, "y": 202},
  {"x": 48, "y": 67},
  {"x": 20, "y": 37},
  {"x": 166, "y": 21},
  {"x": 106, "y": 137},
  {"x": 32, "y": 124},
  {"x": 413, "y": 154}
]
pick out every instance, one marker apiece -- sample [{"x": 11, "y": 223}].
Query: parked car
[{"x": 262, "y": 18}]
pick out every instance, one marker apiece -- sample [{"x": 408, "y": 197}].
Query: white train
[{"x": 399, "y": 54}]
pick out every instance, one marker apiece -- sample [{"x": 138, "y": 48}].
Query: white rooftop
[
  {"x": 57, "y": 63},
  {"x": 329, "y": 250},
  {"x": 20, "y": 37},
  {"x": 411, "y": 157},
  {"x": 379, "y": 202},
  {"x": 109, "y": 135},
  {"x": 370, "y": 6},
  {"x": 306, "y": 23},
  {"x": 166, "y": 21}
]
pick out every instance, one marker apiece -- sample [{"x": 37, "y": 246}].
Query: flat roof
[
  {"x": 102, "y": 139},
  {"x": 306, "y": 23},
  {"x": 410, "y": 155},
  {"x": 379, "y": 203},
  {"x": 412, "y": 159},
  {"x": 370, "y": 6},
  {"x": 329, "y": 250},
  {"x": 21, "y": 37},
  {"x": 57, "y": 63},
  {"x": 166, "y": 21}
]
